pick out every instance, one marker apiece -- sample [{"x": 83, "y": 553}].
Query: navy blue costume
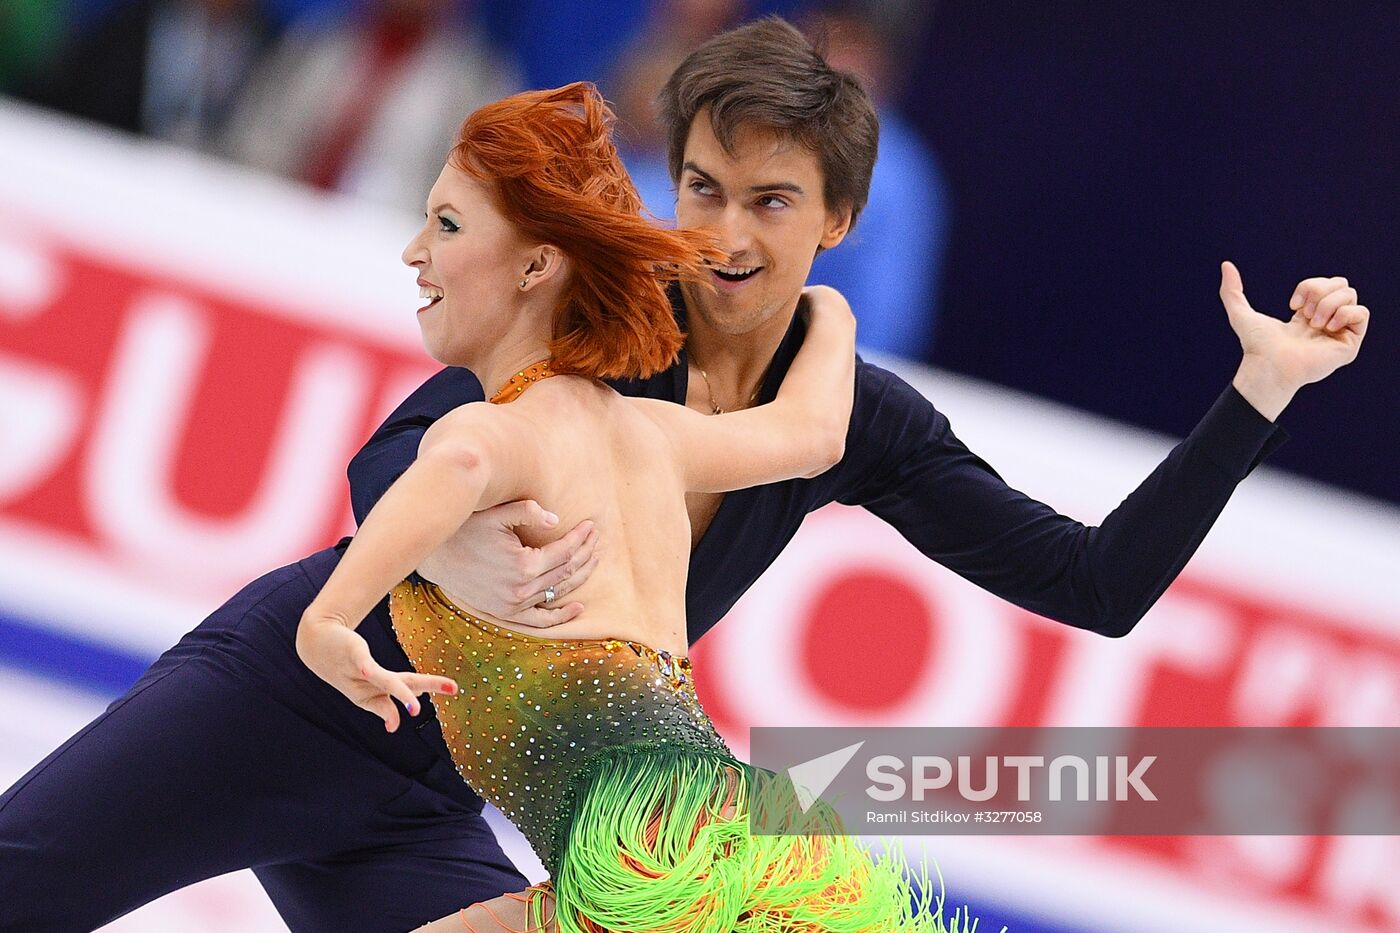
[
  {"x": 229, "y": 753},
  {"x": 904, "y": 463}
]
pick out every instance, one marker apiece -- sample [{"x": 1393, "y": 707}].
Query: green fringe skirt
[{"x": 657, "y": 838}]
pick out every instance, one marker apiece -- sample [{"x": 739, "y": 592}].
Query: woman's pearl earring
[{"x": 523, "y": 283}]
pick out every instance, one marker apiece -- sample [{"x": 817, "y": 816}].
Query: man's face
[{"x": 765, "y": 204}]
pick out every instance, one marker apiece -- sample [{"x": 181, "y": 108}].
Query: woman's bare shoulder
[
  {"x": 662, "y": 413},
  {"x": 575, "y": 404},
  {"x": 509, "y": 432},
  {"x": 662, "y": 419}
]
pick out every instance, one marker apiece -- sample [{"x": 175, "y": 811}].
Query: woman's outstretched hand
[
  {"x": 1280, "y": 357},
  {"x": 340, "y": 656}
]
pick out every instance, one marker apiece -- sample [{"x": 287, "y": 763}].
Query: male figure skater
[{"x": 229, "y": 753}]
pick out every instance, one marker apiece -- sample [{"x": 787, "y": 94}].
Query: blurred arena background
[{"x": 203, "y": 315}]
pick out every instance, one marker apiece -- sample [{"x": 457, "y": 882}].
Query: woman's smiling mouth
[{"x": 429, "y": 291}]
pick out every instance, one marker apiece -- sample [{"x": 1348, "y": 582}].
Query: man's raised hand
[{"x": 1323, "y": 334}]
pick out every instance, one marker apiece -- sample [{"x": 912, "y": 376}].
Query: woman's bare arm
[
  {"x": 801, "y": 433},
  {"x": 468, "y": 460},
  {"x": 465, "y": 462}
]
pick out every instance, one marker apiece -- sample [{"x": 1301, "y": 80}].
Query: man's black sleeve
[
  {"x": 913, "y": 472},
  {"x": 394, "y": 444}
]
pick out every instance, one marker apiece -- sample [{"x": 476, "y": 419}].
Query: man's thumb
[
  {"x": 1232, "y": 288},
  {"x": 527, "y": 512}
]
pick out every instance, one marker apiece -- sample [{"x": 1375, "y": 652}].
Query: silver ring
[{"x": 548, "y": 595}]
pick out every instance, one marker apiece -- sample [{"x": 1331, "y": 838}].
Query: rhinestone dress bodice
[{"x": 532, "y": 710}]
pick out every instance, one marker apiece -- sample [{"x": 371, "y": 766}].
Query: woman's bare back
[{"x": 603, "y": 459}]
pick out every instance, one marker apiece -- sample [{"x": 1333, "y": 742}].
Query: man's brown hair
[{"x": 768, "y": 73}]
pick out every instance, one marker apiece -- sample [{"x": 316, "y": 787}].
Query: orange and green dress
[{"x": 599, "y": 752}]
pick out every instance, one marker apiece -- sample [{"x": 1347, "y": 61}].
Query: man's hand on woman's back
[{"x": 486, "y": 567}]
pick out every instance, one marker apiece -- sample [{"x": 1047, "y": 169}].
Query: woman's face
[{"x": 470, "y": 261}]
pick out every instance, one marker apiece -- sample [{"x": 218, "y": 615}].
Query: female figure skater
[{"x": 542, "y": 278}]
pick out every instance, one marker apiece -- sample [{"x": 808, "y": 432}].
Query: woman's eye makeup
[{"x": 446, "y": 225}]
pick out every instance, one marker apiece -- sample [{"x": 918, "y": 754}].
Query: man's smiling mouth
[{"x": 736, "y": 273}]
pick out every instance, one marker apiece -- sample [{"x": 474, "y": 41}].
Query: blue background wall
[{"x": 1102, "y": 158}]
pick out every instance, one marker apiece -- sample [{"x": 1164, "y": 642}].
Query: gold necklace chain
[{"x": 716, "y": 410}]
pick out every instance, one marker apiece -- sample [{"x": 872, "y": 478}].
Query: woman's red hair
[{"x": 549, "y": 158}]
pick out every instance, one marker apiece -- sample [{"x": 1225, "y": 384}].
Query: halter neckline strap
[{"x": 522, "y": 380}]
